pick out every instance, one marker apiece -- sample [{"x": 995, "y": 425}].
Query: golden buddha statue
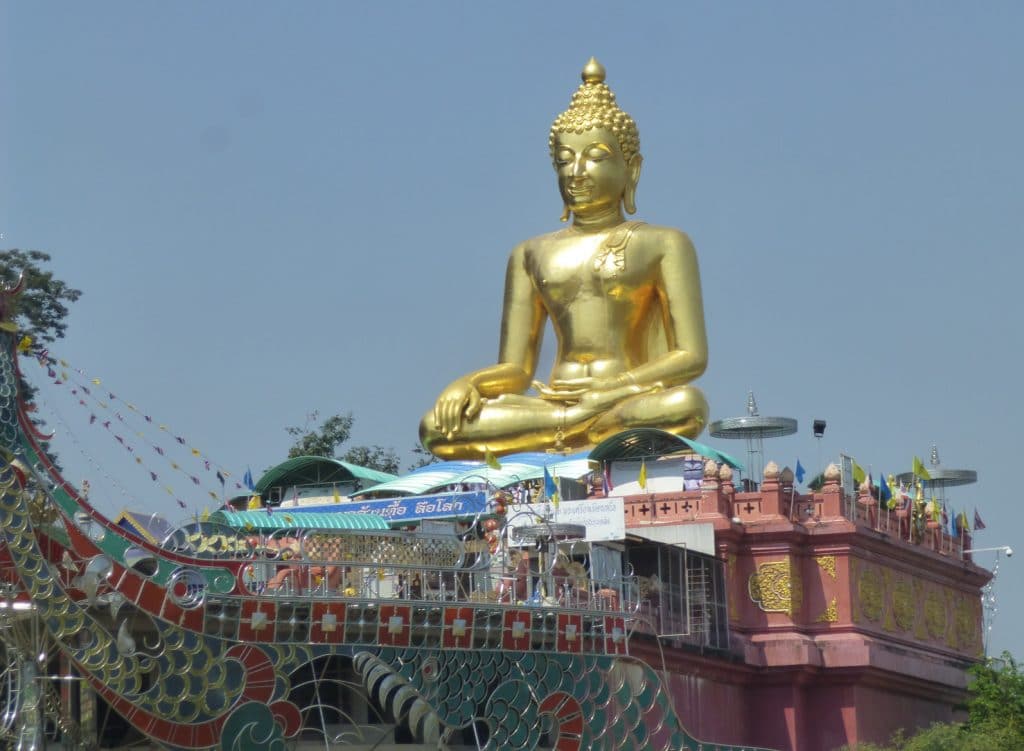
[{"x": 622, "y": 296}]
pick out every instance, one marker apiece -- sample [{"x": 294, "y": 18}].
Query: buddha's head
[{"x": 595, "y": 147}]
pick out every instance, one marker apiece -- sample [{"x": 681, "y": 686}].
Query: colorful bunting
[{"x": 76, "y": 387}]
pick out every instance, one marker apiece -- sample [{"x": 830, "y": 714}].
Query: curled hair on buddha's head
[{"x": 594, "y": 106}]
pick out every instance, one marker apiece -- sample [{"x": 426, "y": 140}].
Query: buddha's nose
[{"x": 579, "y": 167}]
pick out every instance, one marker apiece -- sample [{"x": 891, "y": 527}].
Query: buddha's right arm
[
  {"x": 522, "y": 325},
  {"x": 522, "y": 322},
  {"x": 503, "y": 378}
]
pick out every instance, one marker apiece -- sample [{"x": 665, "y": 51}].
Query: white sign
[{"x": 604, "y": 518}]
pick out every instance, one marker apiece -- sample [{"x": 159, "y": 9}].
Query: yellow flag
[
  {"x": 205, "y": 516},
  {"x": 249, "y": 526},
  {"x": 642, "y": 479},
  {"x": 337, "y": 497},
  {"x": 858, "y": 474},
  {"x": 25, "y": 344},
  {"x": 195, "y": 452},
  {"x": 255, "y": 503},
  {"x": 96, "y": 381},
  {"x": 491, "y": 460},
  {"x": 920, "y": 471}
]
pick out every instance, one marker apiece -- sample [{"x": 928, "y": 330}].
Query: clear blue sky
[{"x": 276, "y": 208}]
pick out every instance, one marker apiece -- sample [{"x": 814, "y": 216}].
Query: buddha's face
[{"x": 592, "y": 172}]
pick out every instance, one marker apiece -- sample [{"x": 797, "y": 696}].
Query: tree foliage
[
  {"x": 375, "y": 457},
  {"x": 995, "y": 716},
  {"x": 997, "y": 696},
  {"x": 327, "y": 439},
  {"x": 310, "y": 441},
  {"x": 422, "y": 457},
  {"x": 41, "y": 310}
]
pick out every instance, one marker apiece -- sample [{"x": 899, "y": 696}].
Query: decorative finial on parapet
[
  {"x": 751, "y": 404},
  {"x": 710, "y": 470},
  {"x": 771, "y": 471},
  {"x": 725, "y": 473},
  {"x": 832, "y": 474},
  {"x": 934, "y": 460},
  {"x": 786, "y": 477},
  {"x": 865, "y": 487}
]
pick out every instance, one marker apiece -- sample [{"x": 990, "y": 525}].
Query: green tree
[
  {"x": 39, "y": 312},
  {"x": 995, "y": 716},
  {"x": 997, "y": 696},
  {"x": 310, "y": 441},
  {"x": 327, "y": 439},
  {"x": 422, "y": 458},
  {"x": 375, "y": 457},
  {"x": 41, "y": 309}
]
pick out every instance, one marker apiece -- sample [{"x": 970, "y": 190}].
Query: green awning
[
  {"x": 712, "y": 453},
  {"x": 286, "y": 519},
  {"x": 647, "y": 442},
  {"x": 638, "y": 443},
  {"x": 318, "y": 470}
]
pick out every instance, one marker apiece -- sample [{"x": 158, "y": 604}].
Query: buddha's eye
[
  {"x": 597, "y": 153},
  {"x": 564, "y": 156}
]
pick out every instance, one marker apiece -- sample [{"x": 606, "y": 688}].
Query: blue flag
[
  {"x": 247, "y": 479},
  {"x": 884, "y": 491},
  {"x": 550, "y": 488},
  {"x": 800, "y": 472}
]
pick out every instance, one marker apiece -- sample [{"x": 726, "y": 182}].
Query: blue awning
[{"x": 287, "y": 519}]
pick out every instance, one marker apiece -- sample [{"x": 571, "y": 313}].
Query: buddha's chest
[{"x": 590, "y": 269}]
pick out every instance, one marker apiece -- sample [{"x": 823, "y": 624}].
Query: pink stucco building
[{"x": 844, "y": 624}]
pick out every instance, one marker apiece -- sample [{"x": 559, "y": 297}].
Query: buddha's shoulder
[
  {"x": 544, "y": 244},
  {"x": 669, "y": 237},
  {"x": 642, "y": 234}
]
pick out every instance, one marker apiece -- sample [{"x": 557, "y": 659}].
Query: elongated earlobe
[
  {"x": 565, "y": 213},
  {"x": 629, "y": 198},
  {"x": 629, "y": 194}
]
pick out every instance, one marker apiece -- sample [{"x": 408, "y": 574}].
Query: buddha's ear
[{"x": 633, "y": 177}]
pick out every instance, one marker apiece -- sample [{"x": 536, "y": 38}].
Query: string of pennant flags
[
  {"x": 103, "y": 406},
  {"x": 57, "y": 418}
]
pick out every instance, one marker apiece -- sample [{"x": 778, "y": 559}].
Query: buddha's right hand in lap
[{"x": 461, "y": 400}]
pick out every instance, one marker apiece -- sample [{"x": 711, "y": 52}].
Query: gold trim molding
[
  {"x": 827, "y": 564},
  {"x": 776, "y": 587},
  {"x": 831, "y": 614}
]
